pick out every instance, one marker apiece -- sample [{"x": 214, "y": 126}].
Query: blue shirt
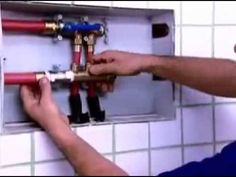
[{"x": 222, "y": 164}]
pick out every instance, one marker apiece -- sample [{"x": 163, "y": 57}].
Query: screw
[
  {"x": 56, "y": 68},
  {"x": 86, "y": 38},
  {"x": 85, "y": 19},
  {"x": 59, "y": 17},
  {"x": 59, "y": 37}
]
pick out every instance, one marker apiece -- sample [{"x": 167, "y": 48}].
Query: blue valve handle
[{"x": 71, "y": 27}]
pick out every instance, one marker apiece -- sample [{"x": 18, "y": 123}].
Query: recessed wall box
[{"x": 135, "y": 98}]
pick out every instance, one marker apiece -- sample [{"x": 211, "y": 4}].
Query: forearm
[
  {"x": 213, "y": 76},
  {"x": 85, "y": 160}
]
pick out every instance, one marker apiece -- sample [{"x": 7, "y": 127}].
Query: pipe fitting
[
  {"x": 56, "y": 76},
  {"x": 91, "y": 39},
  {"x": 78, "y": 41},
  {"x": 52, "y": 27},
  {"x": 100, "y": 32}
]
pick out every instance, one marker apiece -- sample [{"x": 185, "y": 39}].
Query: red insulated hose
[
  {"x": 20, "y": 78},
  {"x": 74, "y": 89},
  {"x": 23, "y": 26},
  {"x": 76, "y": 57},
  {"x": 91, "y": 86}
]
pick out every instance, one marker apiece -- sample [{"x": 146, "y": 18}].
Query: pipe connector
[
  {"x": 52, "y": 27},
  {"x": 56, "y": 76},
  {"x": 78, "y": 41},
  {"x": 83, "y": 76},
  {"x": 91, "y": 40}
]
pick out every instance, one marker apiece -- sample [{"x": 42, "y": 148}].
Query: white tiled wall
[
  {"x": 160, "y": 160},
  {"x": 220, "y": 147},
  {"x": 225, "y": 121},
  {"x": 197, "y": 12},
  {"x": 131, "y": 137},
  {"x": 61, "y": 168},
  {"x": 175, "y": 5},
  {"x": 196, "y": 41},
  {"x": 192, "y": 97},
  {"x": 45, "y": 149},
  {"x": 197, "y": 125},
  {"x": 128, "y": 162},
  {"x": 159, "y": 130},
  {"x": 197, "y": 153},
  {"x": 103, "y": 134},
  {"x": 225, "y": 12},
  {"x": 15, "y": 149},
  {"x": 16, "y": 171},
  {"x": 202, "y": 127}
]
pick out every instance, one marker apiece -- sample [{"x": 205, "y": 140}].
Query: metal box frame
[{"x": 158, "y": 101}]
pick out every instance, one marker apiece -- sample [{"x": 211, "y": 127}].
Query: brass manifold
[{"x": 81, "y": 76}]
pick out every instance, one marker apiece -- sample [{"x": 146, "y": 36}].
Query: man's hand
[
  {"x": 40, "y": 105},
  {"x": 119, "y": 63}
]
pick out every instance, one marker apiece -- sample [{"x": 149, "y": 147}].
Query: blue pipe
[{"x": 73, "y": 27}]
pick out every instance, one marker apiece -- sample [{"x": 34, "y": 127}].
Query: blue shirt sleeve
[{"x": 222, "y": 164}]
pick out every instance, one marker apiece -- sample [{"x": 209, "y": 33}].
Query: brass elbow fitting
[
  {"x": 78, "y": 39},
  {"x": 91, "y": 39},
  {"x": 100, "y": 32},
  {"x": 78, "y": 42}
]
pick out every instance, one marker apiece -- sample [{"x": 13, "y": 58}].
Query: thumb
[
  {"x": 45, "y": 88},
  {"x": 100, "y": 69}
]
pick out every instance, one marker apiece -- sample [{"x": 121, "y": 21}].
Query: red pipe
[
  {"x": 76, "y": 57},
  {"x": 23, "y": 26},
  {"x": 74, "y": 89},
  {"x": 91, "y": 86},
  {"x": 20, "y": 78}
]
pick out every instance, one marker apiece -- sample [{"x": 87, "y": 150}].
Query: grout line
[
  {"x": 181, "y": 87},
  {"x": 36, "y": 163},
  {"x": 149, "y": 150},
  {"x": 113, "y": 143},
  {"x": 16, "y": 165},
  {"x": 76, "y": 133},
  {"x": 32, "y": 164},
  {"x": 112, "y": 4},
  {"x": 182, "y": 133},
  {"x": 208, "y": 104},
  {"x": 135, "y": 151},
  {"x": 147, "y": 4},
  {"x": 107, "y": 154},
  {"x": 205, "y": 25},
  {"x": 195, "y": 105},
  {"x": 213, "y": 98}
]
